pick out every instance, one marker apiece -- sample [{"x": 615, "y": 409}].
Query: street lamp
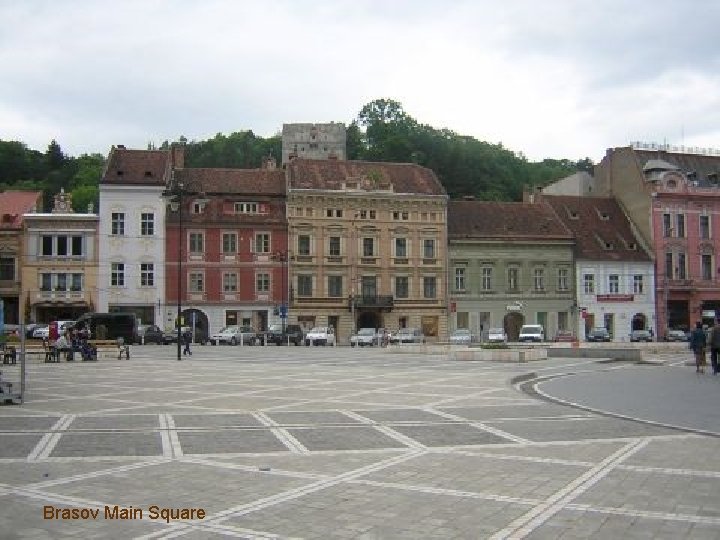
[
  {"x": 174, "y": 196},
  {"x": 282, "y": 257}
]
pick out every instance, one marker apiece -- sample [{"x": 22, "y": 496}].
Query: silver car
[
  {"x": 461, "y": 336},
  {"x": 365, "y": 336},
  {"x": 497, "y": 335}
]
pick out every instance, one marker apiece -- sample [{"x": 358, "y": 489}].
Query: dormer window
[
  {"x": 572, "y": 214},
  {"x": 120, "y": 173},
  {"x": 609, "y": 245},
  {"x": 148, "y": 174},
  {"x": 197, "y": 208},
  {"x": 246, "y": 208},
  {"x": 604, "y": 216}
]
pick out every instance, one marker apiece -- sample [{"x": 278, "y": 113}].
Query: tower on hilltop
[{"x": 313, "y": 141}]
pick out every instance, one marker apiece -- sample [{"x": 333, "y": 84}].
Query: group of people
[
  {"x": 700, "y": 341},
  {"x": 74, "y": 340}
]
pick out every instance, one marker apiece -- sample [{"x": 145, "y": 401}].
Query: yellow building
[
  {"x": 59, "y": 274},
  {"x": 367, "y": 245}
]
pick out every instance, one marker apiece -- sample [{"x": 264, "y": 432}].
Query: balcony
[
  {"x": 373, "y": 301},
  {"x": 368, "y": 260}
]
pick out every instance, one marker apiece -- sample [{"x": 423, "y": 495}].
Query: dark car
[
  {"x": 151, "y": 333},
  {"x": 641, "y": 335},
  {"x": 170, "y": 336},
  {"x": 598, "y": 334},
  {"x": 293, "y": 334}
]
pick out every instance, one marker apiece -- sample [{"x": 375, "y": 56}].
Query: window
[
  {"x": 330, "y": 212},
  {"x": 334, "y": 246},
  {"x": 428, "y": 248},
  {"x": 706, "y": 266},
  {"x": 402, "y": 287},
  {"x": 197, "y": 242},
  {"x": 429, "y": 287},
  {"x": 147, "y": 224},
  {"x": 262, "y": 282},
  {"x": 562, "y": 283},
  {"x": 62, "y": 246},
  {"x": 613, "y": 284},
  {"x": 117, "y": 274},
  {"x": 667, "y": 225},
  {"x": 230, "y": 281},
  {"x": 682, "y": 268},
  {"x": 400, "y": 216},
  {"x": 401, "y": 248},
  {"x": 704, "y": 227},
  {"x": 486, "y": 279},
  {"x": 197, "y": 282},
  {"x": 61, "y": 282},
  {"x": 304, "y": 285},
  {"x": 47, "y": 245},
  {"x": 372, "y": 214},
  {"x": 539, "y": 279},
  {"x": 147, "y": 275},
  {"x": 334, "y": 285},
  {"x": 76, "y": 246},
  {"x": 669, "y": 265},
  {"x": 76, "y": 284},
  {"x": 229, "y": 243},
  {"x": 638, "y": 284},
  {"x": 117, "y": 223},
  {"x": 512, "y": 278},
  {"x": 681, "y": 225},
  {"x": 262, "y": 242},
  {"x": 589, "y": 283},
  {"x": 368, "y": 247},
  {"x": 197, "y": 207},
  {"x": 7, "y": 268},
  {"x": 460, "y": 278},
  {"x": 246, "y": 208},
  {"x": 303, "y": 244},
  {"x": 45, "y": 282}
]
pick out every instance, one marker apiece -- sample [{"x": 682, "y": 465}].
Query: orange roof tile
[{"x": 13, "y": 204}]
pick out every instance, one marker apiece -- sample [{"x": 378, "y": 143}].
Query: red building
[{"x": 234, "y": 246}]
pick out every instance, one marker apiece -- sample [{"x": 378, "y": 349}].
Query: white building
[
  {"x": 615, "y": 274},
  {"x": 131, "y": 275}
]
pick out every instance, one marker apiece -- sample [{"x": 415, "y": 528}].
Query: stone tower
[{"x": 313, "y": 141}]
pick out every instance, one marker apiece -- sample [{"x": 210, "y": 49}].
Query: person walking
[
  {"x": 698, "y": 344},
  {"x": 187, "y": 338},
  {"x": 715, "y": 347}
]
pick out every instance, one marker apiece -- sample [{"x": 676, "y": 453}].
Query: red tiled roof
[
  {"x": 13, "y": 204},
  {"x": 331, "y": 174},
  {"x": 602, "y": 230},
  {"x": 512, "y": 220},
  {"x": 140, "y": 167},
  {"x": 235, "y": 181}
]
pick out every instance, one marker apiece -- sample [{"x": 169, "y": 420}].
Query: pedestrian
[
  {"x": 698, "y": 343},
  {"x": 715, "y": 347},
  {"x": 187, "y": 338}
]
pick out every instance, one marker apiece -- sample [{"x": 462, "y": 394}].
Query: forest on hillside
[{"x": 382, "y": 131}]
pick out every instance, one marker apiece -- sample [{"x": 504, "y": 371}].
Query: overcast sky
[{"x": 559, "y": 79}]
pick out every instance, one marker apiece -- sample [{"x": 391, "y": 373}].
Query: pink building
[{"x": 673, "y": 198}]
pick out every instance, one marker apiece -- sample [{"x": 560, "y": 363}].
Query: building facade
[
  {"x": 13, "y": 204},
  {"x": 615, "y": 279},
  {"x": 313, "y": 141},
  {"x": 367, "y": 246},
  {"x": 673, "y": 198},
  {"x": 131, "y": 274},
  {"x": 59, "y": 275},
  {"x": 509, "y": 264},
  {"x": 234, "y": 248}
]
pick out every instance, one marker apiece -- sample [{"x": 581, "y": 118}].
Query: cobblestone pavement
[{"x": 319, "y": 443}]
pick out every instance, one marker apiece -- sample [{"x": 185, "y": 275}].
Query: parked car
[
  {"x": 641, "y": 335},
  {"x": 234, "y": 335},
  {"x": 676, "y": 335},
  {"x": 564, "y": 335},
  {"x": 461, "y": 336},
  {"x": 150, "y": 333},
  {"x": 293, "y": 334},
  {"x": 320, "y": 335},
  {"x": 599, "y": 334},
  {"x": 497, "y": 335},
  {"x": 364, "y": 337},
  {"x": 407, "y": 335},
  {"x": 532, "y": 332},
  {"x": 170, "y": 336},
  {"x": 30, "y": 328},
  {"x": 41, "y": 331}
]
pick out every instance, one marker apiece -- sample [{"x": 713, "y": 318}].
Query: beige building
[
  {"x": 59, "y": 277},
  {"x": 367, "y": 245}
]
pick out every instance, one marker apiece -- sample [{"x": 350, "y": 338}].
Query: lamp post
[
  {"x": 174, "y": 196},
  {"x": 282, "y": 257}
]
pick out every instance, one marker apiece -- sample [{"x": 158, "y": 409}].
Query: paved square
[{"x": 324, "y": 443}]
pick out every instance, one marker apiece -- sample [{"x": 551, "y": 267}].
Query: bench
[{"x": 119, "y": 344}]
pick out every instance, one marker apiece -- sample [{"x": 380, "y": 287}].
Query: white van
[{"x": 532, "y": 332}]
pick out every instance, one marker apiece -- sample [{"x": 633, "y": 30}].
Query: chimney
[{"x": 177, "y": 156}]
